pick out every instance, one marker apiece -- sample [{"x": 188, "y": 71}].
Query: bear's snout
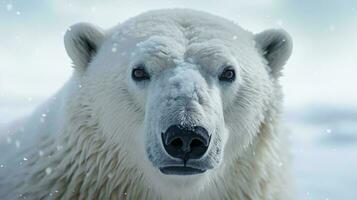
[{"x": 186, "y": 142}]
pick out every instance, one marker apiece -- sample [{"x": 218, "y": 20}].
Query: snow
[
  {"x": 324, "y": 139},
  {"x": 17, "y": 144},
  {"x": 48, "y": 170},
  {"x": 332, "y": 28},
  {"x": 9, "y": 7},
  {"x": 324, "y": 151},
  {"x": 279, "y": 22}
]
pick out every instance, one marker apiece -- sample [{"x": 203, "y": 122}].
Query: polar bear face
[{"x": 182, "y": 93}]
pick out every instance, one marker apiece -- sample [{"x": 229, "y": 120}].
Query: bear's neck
[
  {"x": 79, "y": 164},
  {"x": 266, "y": 176}
]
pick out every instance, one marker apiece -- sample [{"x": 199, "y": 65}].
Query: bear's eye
[
  {"x": 228, "y": 74},
  {"x": 140, "y": 74}
]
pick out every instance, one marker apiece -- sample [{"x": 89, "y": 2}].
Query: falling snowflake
[
  {"x": 59, "y": 148},
  {"x": 279, "y": 22},
  {"x": 331, "y": 28},
  {"x": 48, "y": 170},
  {"x": 9, "y": 7},
  {"x": 280, "y": 164},
  {"x": 17, "y": 144}
]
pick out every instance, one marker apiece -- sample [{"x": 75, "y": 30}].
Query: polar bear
[{"x": 171, "y": 104}]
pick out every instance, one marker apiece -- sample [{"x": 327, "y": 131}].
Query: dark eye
[
  {"x": 140, "y": 74},
  {"x": 228, "y": 74}
]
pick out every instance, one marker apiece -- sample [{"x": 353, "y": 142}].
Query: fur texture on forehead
[{"x": 178, "y": 33}]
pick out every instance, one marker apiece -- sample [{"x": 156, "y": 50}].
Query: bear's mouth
[{"x": 181, "y": 170}]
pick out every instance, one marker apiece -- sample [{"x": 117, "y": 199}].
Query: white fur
[{"x": 92, "y": 139}]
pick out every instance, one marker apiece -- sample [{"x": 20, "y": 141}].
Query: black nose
[{"x": 186, "y": 143}]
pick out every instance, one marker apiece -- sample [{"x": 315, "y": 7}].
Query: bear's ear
[
  {"x": 276, "y": 46},
  {"x": 82, "y": 42}
]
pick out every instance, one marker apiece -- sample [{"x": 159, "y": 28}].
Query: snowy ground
[
  {"x": 324, "y": 147},
  {"x": 325, "y": 151}
]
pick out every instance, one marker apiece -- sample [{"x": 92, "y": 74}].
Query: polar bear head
[{"x": 181, "y": 93}]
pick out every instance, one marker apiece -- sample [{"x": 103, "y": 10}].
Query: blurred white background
[{"x": 320, "y": 79}]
